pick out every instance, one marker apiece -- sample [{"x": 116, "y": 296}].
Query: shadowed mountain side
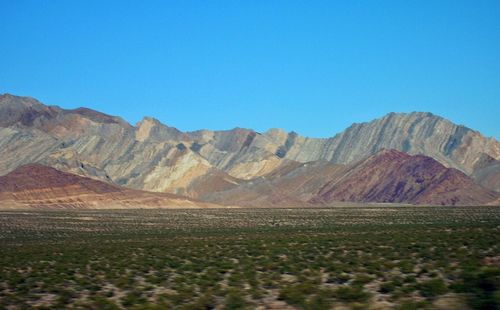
[
  {"x": 489, "y": 177},
  {"x": 393, "y": 176},
  {"x": 38, "y": 186},
  {"x": 487, "y": 172}
]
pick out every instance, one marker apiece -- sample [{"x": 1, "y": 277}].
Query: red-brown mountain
[
  {"x": 393, "y": 176},
  {"x": 38, "y": 186}
]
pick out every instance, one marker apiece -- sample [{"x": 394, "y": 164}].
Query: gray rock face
[
  {"x": 152, "y": 156},
  {"x": 414, "y": 133},
  {"x": 487, "y": 172}
]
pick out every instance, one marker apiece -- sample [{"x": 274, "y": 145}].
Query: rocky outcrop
[
  {"x": 396, "y": 177},
  {"x": 38, "y": 186}
]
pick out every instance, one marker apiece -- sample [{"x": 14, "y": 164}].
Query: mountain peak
[
  {"x": 7, "y": 96},
  {"x": 19, "y": 101},
  {"x": 97, "y": 116},
  {"x": 153, "y": 129},
  {"x": 147, "y": 120}
]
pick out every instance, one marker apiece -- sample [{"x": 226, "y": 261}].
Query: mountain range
[{"x": 415, "y": 158}]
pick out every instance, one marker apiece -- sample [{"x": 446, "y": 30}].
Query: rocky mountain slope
[
  {"x": 487, "y": 172},
  {"x": 393, "y": 176},
  {"x": 202, "y": 164},
  {"x": 414, "y": 133},
  {"x": 38, "y": 186},
  {"x": 389, "y": 176},
  {"x": 290, "y": 185}
]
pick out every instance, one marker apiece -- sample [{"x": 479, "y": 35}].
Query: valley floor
[{"x": 347, "y": 258}]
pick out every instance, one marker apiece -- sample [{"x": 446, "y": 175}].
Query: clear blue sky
[{"x": 310, "y": 66}]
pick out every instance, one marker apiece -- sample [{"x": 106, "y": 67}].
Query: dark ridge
[
  {"x": 290, "y": 141},
  {"x": 455, "y": 140},
  {"x": 248, "y": 141},
  {"x": 196, "y": 147}
]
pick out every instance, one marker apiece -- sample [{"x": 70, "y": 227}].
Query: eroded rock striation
[{"x": 203, "y": 164}]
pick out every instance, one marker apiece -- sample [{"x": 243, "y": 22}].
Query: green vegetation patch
[{"x": 397, "y": 257}]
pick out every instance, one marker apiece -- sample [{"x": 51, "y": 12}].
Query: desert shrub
[
  {"x": 482, "y": 288},
  {"x": 133, "y": 298},
  {"x": 206, "y": 301},
  {"x": 235, "y": 299},
  {"x": 410, "y": 279},
  {"x": 319, "y": 302},
  {"x": 124, "y": 282},
  {"x": 362, "y": 279},
  {"x": 339, "y": 278},
  {"x": 100, "y": 302},
  {"x": 292, "y": 296},
  {"x": 412, "y": 305},
  {"x": 149, "y": 306},
  {"x": 432, "y": 288},
  {"x": 387, "y": 287},
  {"x": 235, "y": 280},
  {"x": 351, "y": 293}
]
